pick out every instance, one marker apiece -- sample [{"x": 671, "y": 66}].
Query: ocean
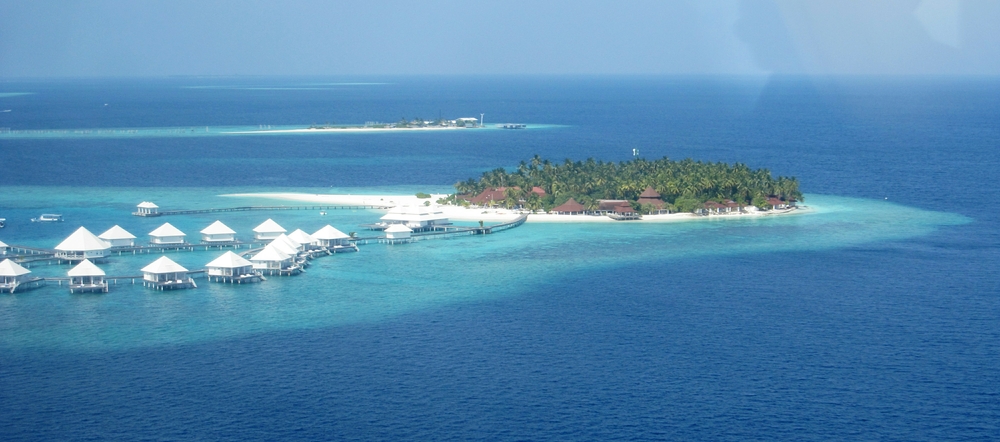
[{"x": 873, "y": 315}]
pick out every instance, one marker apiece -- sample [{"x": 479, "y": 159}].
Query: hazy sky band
[{"x": 128, "y": 38}]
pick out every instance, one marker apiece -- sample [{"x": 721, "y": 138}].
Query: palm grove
[{"x": 684, "y": 185}]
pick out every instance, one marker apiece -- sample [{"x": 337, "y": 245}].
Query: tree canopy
[{"x": 684, "y": 185}]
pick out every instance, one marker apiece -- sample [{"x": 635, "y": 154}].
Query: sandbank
[{"x": 458, "y": 213}]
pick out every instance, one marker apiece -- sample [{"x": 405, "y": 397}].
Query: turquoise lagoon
[{"x": 381, "y": 281}]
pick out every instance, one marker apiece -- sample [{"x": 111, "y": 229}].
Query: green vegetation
[
  {"x": 422, "y": 195},
  {"x": 683, "y": 185}
]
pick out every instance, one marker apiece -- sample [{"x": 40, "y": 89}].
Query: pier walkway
[{"x": 251, "y": 208}]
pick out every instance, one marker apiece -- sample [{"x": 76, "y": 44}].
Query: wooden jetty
[{"x": 252, "y": 208}]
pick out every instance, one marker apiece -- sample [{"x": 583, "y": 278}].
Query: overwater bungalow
[
  {"x": 333, "y": 239},
  {"x": 570, "y": 207},
  {"x": 4, "y": 247},
  {"x": 166, "y": 234},
  {"x": 82, "y": 245},
  {"x": 232, "y": 268},
  {"x": 165, "y": 274},
  {"x": 398, "y": 233},
  {"x": 268, "y": 230},
  {"x": 87, "y": 277},
  {"x": 218, "y": 232},
  {"x": 272, "y": 261},
  {"x": 417, "y": 218},
  {"x": 118, "y": 237},
  {"x": 147, "y": 208},
  {"x": 304, "y": 239},
  {"x": 15, "y": 278},
  {"x": 289, "y": 245}
]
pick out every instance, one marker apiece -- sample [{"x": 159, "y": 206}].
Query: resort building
[
  {"x": 495, "y": 195},
  {"x": 232, "y": 268},
  {"x": 86, "y": 277},
  {"x": 306, "y": 240},
  {"x": 398, "y": 233},
  {"x": 272, "y": 261},
  {"x": 4, "y": 247},
  {"x": 13, "y": 277},
  {"x": 607, "y": 207},
  {"x": 82, "y": 245},
  {"x": 417, "y": 218},
  {"x": 268, "y": 230},
  {"x": 651, "y": 197},
  {"x": 624, "y": 211},
  {"x": 777, "y": 204},
  {"x": 118, "y": 237},
  {"x": 570, "y": 207},
  {"x": 165, "y": 274},
  {"x": 287, "y": 245},
  {"x": 147, "y": 208},
  {"x": 218, "y": 232},
  {"x": 332, "y": 238},
  {"x": 166, "y": 234}
]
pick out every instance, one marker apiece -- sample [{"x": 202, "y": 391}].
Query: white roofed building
[
  {"x": 82, "y": 245},
  {"x": 3, "y": 248},
  {"x": 398, "y": 233},
  {"x": 304, "y": 239},
  {"x": 330, "y": 237},
  {"x": 87, "y": 277},
  {"x": 232, "y": 268},
  {"x": 272, "y": 261},
  {"x": 118, "y": 237},
  {"x": 166, "y": 234},
  {"x": 147, "y": 208},
  {"x": 218, "y": 232},
  {"x": 13, "y": 277},
  {"x": 268, "y": 230},
  {"x": 165, "y": 274},
  {"x": 417, "y": 218}
]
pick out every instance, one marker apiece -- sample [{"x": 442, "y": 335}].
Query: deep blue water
[{"x": 577, "y": 338}]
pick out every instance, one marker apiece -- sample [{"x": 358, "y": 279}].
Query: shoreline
[
  {"x": 458, "y": 213},
  {"x": 344, "y": 129}
]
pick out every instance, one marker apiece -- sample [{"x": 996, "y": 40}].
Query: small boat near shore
[
  {"x": 48, "y": 218},
  {"x": 3, "y": 222}
]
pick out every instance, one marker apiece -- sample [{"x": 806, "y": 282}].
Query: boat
[
  {"x": 3, "y": 222},
  {"x": 48, "y": 218}
]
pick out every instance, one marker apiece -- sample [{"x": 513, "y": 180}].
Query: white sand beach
[
  {"x": 347, "y": 129},
  {"x": 458, "y": 213}
]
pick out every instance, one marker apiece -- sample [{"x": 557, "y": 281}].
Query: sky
[{"x": 112, "y": 38}]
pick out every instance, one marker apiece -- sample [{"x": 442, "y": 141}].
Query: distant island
[{"x": 629, "y": 188}]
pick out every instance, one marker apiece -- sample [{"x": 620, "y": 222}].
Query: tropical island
[{"x": 636, "y": 187}]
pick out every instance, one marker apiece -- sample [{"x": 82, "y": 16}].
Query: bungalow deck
[
  {"x": 22, "y": 286},
  {"x": 248, "y": 278},
  {"x": 101, "y": 287},
  {"x": 174, "y": 284}
]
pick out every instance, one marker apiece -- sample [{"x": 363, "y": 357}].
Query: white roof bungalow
[
  {"x": 166, "y": 234},
  {"x": 232, "y": 268},
  {"x": 268, "y": 230},
  {"x": 416, "y": 217},
  {"x": 328, "y": 236},
  {"x": 304, "y": 239},
  {"x": 14, "y": 277},
  {"x": 398, "y": 233},
  {"x": 82, "y": 245},
  {"x": 273, "y": 261},
  {"x": 218, "y": 232},
  {"x": 87, "y": 277},
  {"x": 3, "y": 248},
  {"x": 285, "y": 245},
  {"x": 165, "y": 274},
  {"x": 118, "y": 237},
  {"x": 147, "y": 208}
]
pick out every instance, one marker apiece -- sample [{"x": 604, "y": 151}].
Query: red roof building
[{"x": 570, "y": 207}]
